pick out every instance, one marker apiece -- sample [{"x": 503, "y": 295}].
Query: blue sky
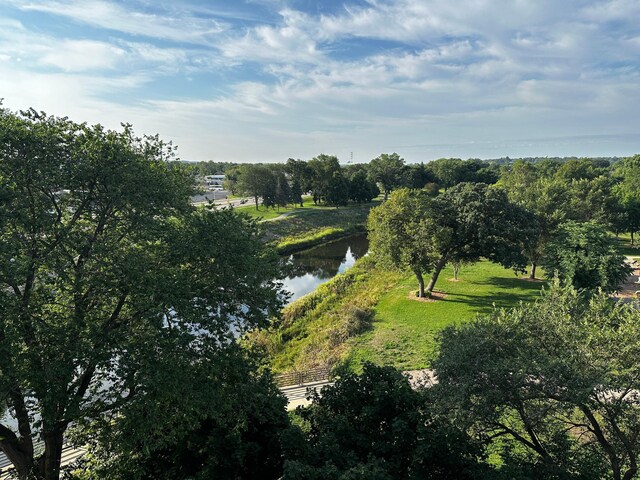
[{"x": 264, "y": 80}]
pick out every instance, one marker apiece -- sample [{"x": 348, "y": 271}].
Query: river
[{"x": 310, "y": 268}]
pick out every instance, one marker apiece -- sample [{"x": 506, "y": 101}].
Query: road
[{"x": 297, "y": 394}]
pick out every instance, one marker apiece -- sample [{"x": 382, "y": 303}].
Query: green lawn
[
  {"x": 311, "y": 225},
  {"x": 404, "y": 329},
  {"x": 265, "y": 213},
  {"x": 625, "y": 245}
]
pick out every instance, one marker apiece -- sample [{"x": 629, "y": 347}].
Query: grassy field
[
  {"x": 404, "y": 329},
  {"x": 311, "y": 225},
  {"x": 369, "y": 314},
  {"x": 625, "y": 245},
  {"x": 265, "y": 213}
]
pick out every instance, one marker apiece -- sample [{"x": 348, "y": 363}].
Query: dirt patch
[
  {"x": 454, "y": 279},
  {"x": 631, "y": 288},
  {"x": 435, "y": 296},
  {"x": 535, "y": 280}
]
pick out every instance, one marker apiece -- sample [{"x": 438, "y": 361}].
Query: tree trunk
[
  {"x": 50, "y": 460},
  {"x": 22, "y": 462},
  {"x": 420, "y": 284},
  {"x": 532, "y": 276},
  {"x": 434, "y": 278},
  {"x": 632, "y": 239},
  {"x": 256, "y": 199},
  {"x": 386, "y": 194}
]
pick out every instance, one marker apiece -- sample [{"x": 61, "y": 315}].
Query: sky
[{"x": 265, "y": 80}]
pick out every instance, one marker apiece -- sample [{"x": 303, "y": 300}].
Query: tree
[
  {"x": 300, "y": 175},
  {"x": 449, "y": 171},
  {"x": 256, "y": 181},
  {"x": 325, "y": 171},
  {"x": 389, "y": 171},
  {"x": 376, "y": 426},
  {"x": 628, "y": 194},
  {"x": 531, "y": 187},
  {"x": 236, "y": 433},
  {"x": 466, "y": 222},
  {"x": 558, "y": 378},
  {"x": 584, "y": 255},
  {"x": 403, "y": 235},
  {"x": 114, "y": 285},
  {"x": 361, "y": 188}
]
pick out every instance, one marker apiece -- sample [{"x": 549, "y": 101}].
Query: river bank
[
  {"x": 303, "y": 228},
  {"x": 372, "y": 314}
]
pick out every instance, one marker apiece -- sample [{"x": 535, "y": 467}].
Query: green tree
[
  {"x": 376, "y": 426},
  {"x": 256, "y": 181},
  {"x": 114, "y": 285},
  {"x": 402, "y": 234},
  {"x": 389, "y": 171},
  {"x": 468, "y": 221},
  {"x": 627, "y": 193},
  {"x": 235, "y": 433},
  {"x": 300, "y": 175},
  {"x": 325, "y": 169},
  {"x": 557, "y": 379},
  {"x": 532, "y": 187},
  {"x": 586, "y": 256},
  {"x": 361, "y": 188},
  {"x": 449, "y": 171}
]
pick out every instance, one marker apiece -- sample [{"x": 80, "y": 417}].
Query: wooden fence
[{"x": 300, "y": 377}]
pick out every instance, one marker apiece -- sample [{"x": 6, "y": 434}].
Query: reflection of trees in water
[{"x": 324, "y": 261}]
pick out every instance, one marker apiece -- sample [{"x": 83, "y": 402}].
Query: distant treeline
[{"x": 210, "y": 167}]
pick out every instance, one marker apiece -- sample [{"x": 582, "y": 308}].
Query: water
[{"x": 310, "y": 268}]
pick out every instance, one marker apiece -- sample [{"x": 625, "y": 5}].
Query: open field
[
  {"x": 369, "y": 314},
  {"x": 266, "y": 213},
  {"x": 404, "y": 329}
]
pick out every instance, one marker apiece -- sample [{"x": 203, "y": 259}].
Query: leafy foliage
[
  {"x": 557, "y": 379},
  {"x": 376, "y": 426},
  {"x": 585, "y": 256},
  {"x": 114, "y": 285}
]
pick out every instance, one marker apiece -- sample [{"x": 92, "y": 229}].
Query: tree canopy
[
  {"x": 114, "y": 284},
  {"x": 468, "y": 221},
  {"x": 585, "y": 256},
  {"x": 376, "y": 426},
  {"x": 557, "y": 379}
]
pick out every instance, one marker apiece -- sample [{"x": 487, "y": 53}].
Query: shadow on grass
[{"x": 518, "y": 290}]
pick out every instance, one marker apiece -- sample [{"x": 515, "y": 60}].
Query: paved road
[{"x": 297, "y": 394}]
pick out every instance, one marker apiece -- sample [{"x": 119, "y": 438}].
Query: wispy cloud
[{"x": 183, "y": 27}]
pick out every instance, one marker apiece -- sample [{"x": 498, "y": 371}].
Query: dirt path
[{"x": 631, "y": 288}]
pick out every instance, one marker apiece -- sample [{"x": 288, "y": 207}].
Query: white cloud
[
  {"x": 173, "y": 25},
  {"x": 459, "y": 77}
]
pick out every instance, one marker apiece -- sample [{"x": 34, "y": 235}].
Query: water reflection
[{"x": 311, "y": 268}]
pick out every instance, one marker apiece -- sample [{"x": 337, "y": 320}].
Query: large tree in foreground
[
  {"x": 468, "y": 221},
  {"x": 558, "y": 378},
  {"x": 377, "y": 426},
  {"x": 111, "y": 286}
]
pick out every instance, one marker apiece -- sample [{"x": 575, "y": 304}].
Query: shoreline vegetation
[
  {"x": 299, "y": 228},
  {"x": 371, "y": 314}
]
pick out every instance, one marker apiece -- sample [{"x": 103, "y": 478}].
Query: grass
[
  {"x": 369, "y": 314},
  {"x": 404, "y": 330},
  {"x": 305, "y": 227},
  {"x": 265, "y": 213},
  {"x": 625, "y": 247},
  {"x": 315, "y": 328}
]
